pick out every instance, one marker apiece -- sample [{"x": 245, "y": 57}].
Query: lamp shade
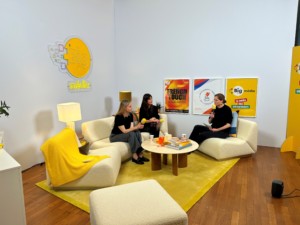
[
  {"x": 125, "y": 95},
  {"x": 69, "y": 112}
]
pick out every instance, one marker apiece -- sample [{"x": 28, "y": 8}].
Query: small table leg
[
  {"x": 182, "y": 160},
  {"x": 155, "y": 161},
  {"x": 165, "y": 159},
  {"x": 175, "y": 164}
]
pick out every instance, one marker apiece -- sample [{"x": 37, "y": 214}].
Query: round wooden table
[{"x": 179, "y": 157}]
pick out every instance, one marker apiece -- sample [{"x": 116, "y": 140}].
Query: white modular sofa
[
  {"x": 105, "y": 172},
  {"x": 244, "y": 144},
  {"x": 97, "y": 133}
]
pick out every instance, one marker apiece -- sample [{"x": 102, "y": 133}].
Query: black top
[
  {"x": 222, "y": 116},
  {"x": 149, "y": 113},
  {"x": 121, "y": 120}
]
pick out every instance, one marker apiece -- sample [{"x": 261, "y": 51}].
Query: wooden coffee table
[{"x": 179, "y": 157}]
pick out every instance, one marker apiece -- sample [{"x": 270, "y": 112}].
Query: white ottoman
[{"x": 138, "y": 203}]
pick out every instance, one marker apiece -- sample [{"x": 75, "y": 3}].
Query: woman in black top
[
  {"x": 125, "y": 131},
  {"x": 149, "y": 112},
  {"x": 220, "y": 120}
]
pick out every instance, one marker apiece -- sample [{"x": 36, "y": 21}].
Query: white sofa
[
  {"x": 97, "y": 133},
  {"x": 244, "y": 144},
  {"x": 105, "y": 172}
]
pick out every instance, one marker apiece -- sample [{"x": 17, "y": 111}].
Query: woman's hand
[
  {"x": 139, "y": 126},
  {"x": 214, "y": 129},
  {"x": 153, "y": 120},
  {"x": 211, "y": 116},
  {"x": 227, "y": 125}
]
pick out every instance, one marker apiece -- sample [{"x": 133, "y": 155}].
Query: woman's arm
[
  {"x": 131, "y": 128},
  {"x": 227, "y": 125}
]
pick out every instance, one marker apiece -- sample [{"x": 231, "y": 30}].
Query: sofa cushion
[
  {"x": 95, "y": 130},
  {"x": 233, "y": 128},
  {"x": 121, "y": 147},
  {"x": 102, "y": 174},
  {"x": 164, "y": 124},
  {"x": 244, "y": 144},
  {"x": 219, "y": 148}
]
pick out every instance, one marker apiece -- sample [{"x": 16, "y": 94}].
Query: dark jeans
[
  {"x": 201, "y": 133},
  {"x": 133, "y": 138}
]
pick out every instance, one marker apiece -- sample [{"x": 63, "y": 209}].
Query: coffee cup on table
[{"x": 151, "y": 137}]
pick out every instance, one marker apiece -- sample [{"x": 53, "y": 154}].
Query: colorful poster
[
  {"x": 241, "y": 94},
  {"x": 177, "y": 95},
  {"x": 204, "y": 91}
]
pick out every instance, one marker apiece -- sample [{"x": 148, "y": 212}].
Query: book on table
[{"x": 178, "y": 144}]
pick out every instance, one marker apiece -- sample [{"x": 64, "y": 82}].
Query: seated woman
[
  {"x": 125, "y": 131},
  {"x": 149, "y": 112},
  {"x": 220, "y": 120}
]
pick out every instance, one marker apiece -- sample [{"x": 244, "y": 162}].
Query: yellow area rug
[{"x": 186, "y": 189}]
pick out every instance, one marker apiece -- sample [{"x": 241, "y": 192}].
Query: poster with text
[
  {"x": 204, "y": 91},
  {"x": 177, "y": 95},
  {"x": 241, "y": 94}
]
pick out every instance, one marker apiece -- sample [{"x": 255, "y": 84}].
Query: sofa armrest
[
  {"x": 164, "y": 126},
  {"x": 247, "y": 130}
]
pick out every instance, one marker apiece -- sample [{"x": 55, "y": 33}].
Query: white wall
[
  {"x": 155, "y": 39},
  {"x": 196, "y": 38},
  {"x": 32, "y": 85}
]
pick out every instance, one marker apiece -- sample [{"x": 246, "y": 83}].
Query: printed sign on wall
[
  {"x": 241, "y": 94},
  {"x": 176, "y": 95},
  {"x": 73, "y": 57},
  {"x": 204, "y": 91}
]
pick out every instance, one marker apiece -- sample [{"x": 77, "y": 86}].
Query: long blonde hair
[{"x": 122, "y": 107}]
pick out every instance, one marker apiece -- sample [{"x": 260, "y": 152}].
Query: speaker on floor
[{"x": 277, "y": 188}]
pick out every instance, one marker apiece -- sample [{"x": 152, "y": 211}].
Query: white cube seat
[{"x": 138, "y": 203}]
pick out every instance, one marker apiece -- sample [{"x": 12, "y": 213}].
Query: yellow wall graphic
[
  {"x": 241, "y": 94},
  {"x": 73, "y": 58},
  {"x": 292, "y": 142},
  {"x": 78, "y": 57}
]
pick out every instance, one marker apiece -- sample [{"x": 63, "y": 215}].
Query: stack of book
[{"x": 178, "y": 144}]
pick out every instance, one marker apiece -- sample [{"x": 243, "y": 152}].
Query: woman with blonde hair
[{"x": 124, "y": 130}]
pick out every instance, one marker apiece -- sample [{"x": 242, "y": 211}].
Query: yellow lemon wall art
[{"x": 78, "y": 58}]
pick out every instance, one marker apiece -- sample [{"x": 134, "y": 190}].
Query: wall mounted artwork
[
  {"x": 73, "y": 57},
  {"x": 204, "y": 90},
  {"x": 176, "y": 95},
  {"x": 241, "y": 95}
]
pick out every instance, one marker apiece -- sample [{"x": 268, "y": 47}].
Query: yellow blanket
[{"x": 64, "y": 162}]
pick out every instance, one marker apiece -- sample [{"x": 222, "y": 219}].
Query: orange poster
[{"x": 176, "y": 97}]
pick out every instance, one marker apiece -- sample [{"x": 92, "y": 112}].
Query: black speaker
[{"x": 277, "y": 188}]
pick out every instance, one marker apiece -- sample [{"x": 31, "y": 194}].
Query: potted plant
[
  {"x": 158, "y": 105},
  {"x": 4, "y": 108}
]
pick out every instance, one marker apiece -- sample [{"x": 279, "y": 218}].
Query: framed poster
[
  {"x": 204, "y": 90},
  {"x": 176, "y": 95},
  {"x": 241, "y": 94}
]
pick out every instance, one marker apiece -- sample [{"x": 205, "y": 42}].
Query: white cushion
[
  {"x": 138, "y": 203},
  {"x": 102, "y": 174},
  {"x": 244, "y": 144}
]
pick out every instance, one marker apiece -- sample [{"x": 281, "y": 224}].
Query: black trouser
[
  {"x": 151, "y": 128},
  {"x": 201, "y": 133}
]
